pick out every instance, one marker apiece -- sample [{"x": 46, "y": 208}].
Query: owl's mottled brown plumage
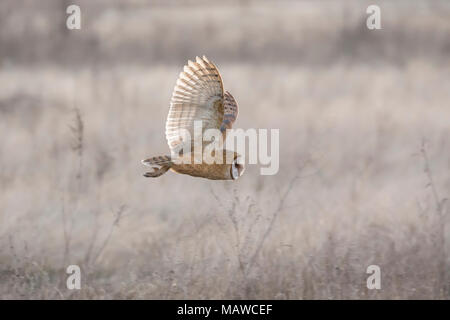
[{"x": 198, "y": 95}]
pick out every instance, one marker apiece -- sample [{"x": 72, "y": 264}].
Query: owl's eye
[{"x": 234, "y": 171}]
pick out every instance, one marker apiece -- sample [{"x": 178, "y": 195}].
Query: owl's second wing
[
  {"x": 198, "y": 95},
  {"x": 230, "y": 113}
]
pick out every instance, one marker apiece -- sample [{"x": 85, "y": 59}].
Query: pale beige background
[{"x": 353, "y": 107}]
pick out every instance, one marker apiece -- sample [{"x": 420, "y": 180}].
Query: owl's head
[{"x": 237, "y": 167}]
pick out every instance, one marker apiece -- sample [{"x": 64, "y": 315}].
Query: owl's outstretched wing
[{"x": 198, "y": 95}]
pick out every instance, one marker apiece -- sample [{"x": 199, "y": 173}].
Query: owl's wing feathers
[
  {"x": 198, "y": 95},
  {"x": 230, "y": 112}
]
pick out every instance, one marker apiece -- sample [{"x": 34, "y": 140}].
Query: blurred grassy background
[{"x": 79, "y": 110}]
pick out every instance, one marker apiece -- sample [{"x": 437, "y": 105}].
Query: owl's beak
[
  {"x": 241, "y": 169},
  {"x": 240, "y": 165}
]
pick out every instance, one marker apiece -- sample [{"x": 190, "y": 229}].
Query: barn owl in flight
[{"x": 198, "y": 96}]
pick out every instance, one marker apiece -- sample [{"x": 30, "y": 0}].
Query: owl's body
[
  {"x": 210, "y": 171},
  {"x": 198, "y": 96}
]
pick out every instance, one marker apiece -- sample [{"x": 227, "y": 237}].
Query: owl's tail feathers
[{"x": 160, "y": 165}]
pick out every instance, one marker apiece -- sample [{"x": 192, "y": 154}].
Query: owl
[{"x": 198, "y": 96}]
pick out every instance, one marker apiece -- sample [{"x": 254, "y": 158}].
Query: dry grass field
[{"x": 364, "y": 119}]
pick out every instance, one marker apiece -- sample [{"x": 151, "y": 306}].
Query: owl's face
[{"x": 237, "y": 167}]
